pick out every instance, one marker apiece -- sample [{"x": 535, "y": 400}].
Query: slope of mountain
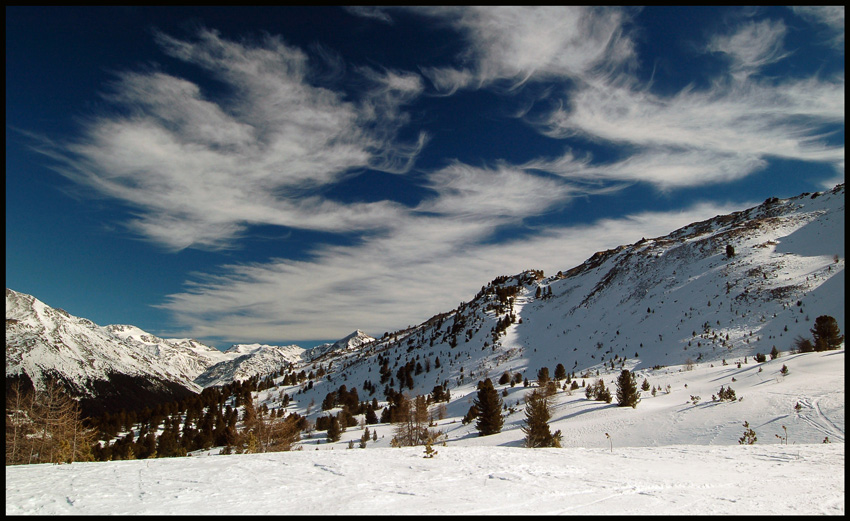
[
  {"x": 667, "y": 301},
  {"x": 244, "y": 361}
]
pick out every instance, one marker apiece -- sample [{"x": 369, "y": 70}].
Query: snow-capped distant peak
[
  {"x": 351, "y": 342},
  {"x": 243, "y": 349},
  {"x": 244, "y": 361}
]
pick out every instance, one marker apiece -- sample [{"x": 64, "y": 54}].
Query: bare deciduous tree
[{"x": 45, "y": 426}]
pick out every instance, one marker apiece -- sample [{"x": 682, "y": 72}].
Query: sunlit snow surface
[
  {"x": 757, "y": 479},
  {"x": 667, "y": 456}
]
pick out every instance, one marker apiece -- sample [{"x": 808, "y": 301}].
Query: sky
[{"x": 288, "y": 175}]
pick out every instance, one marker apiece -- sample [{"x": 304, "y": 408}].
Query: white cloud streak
[
  {"x": 402, "y": 279},
  {"x": 201, "y": 170},
  {"x": 751, "y": 47},
  {"x": 694, "y": 137},
  {"x": 830, "y": 16},
  {"x": 516, "y": 43},
  {"x": 703, "y": 136}
]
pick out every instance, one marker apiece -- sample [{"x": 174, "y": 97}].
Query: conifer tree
[
  {"x": 489, "y": 404},
  {"x": 826, "y": 333},
  {"x": 471, "y": 414},
  {"x": 371, "y": 416},
  {"x": 560, "y": 372},
  {"x": 598, "y": 392},
  {"x": 411, "y": 423},
  {"x": 543, "y": 376},
  {"x": 628, "y": 394},
  {"x": 536, "y": 428},
  {"x": 334, "y": 429}
]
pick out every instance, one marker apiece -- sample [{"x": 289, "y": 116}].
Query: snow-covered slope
[
  {"x": 646, "y": 307},
  {"x": 244, "y": 361},
  {"x": 657, "y": 302}
]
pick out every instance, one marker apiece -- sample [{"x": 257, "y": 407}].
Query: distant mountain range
[
  {"x": 123, "y": 365},
  {"x": 730, "y": 286}
]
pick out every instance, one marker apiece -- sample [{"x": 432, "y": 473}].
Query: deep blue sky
[{"x": 290, "y": 174}]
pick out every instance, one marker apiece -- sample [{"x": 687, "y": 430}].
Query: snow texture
[{"x": 683, "y": 480}]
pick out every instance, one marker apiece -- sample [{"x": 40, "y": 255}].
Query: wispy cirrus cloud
[
  {"x": 701, "y": 136},
  {"x": 201, "y": 168},
  {"x": 751, "y": 47},
  {"x": 516, "y": 43},
  {"x": 425, "y": 267},
  {"x": 696, "y": 136},
  {"x": 830, "y": 16}
]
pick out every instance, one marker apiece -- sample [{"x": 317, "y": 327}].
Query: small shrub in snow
[
  {"x": 749, "y": 437},
  {"x": 726, "y": 394},
  {"x": 803, "y": 345},
  {"x": 598, "y": 392}
]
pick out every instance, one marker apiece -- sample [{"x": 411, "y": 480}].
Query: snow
[
  {"x": 667, "y": 456},
  {"x": 757, "y": 479}
]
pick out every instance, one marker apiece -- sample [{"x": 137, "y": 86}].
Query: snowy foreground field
[
  {"x": 670, "y": 456},
  {"x": 756, "y": 479}
]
